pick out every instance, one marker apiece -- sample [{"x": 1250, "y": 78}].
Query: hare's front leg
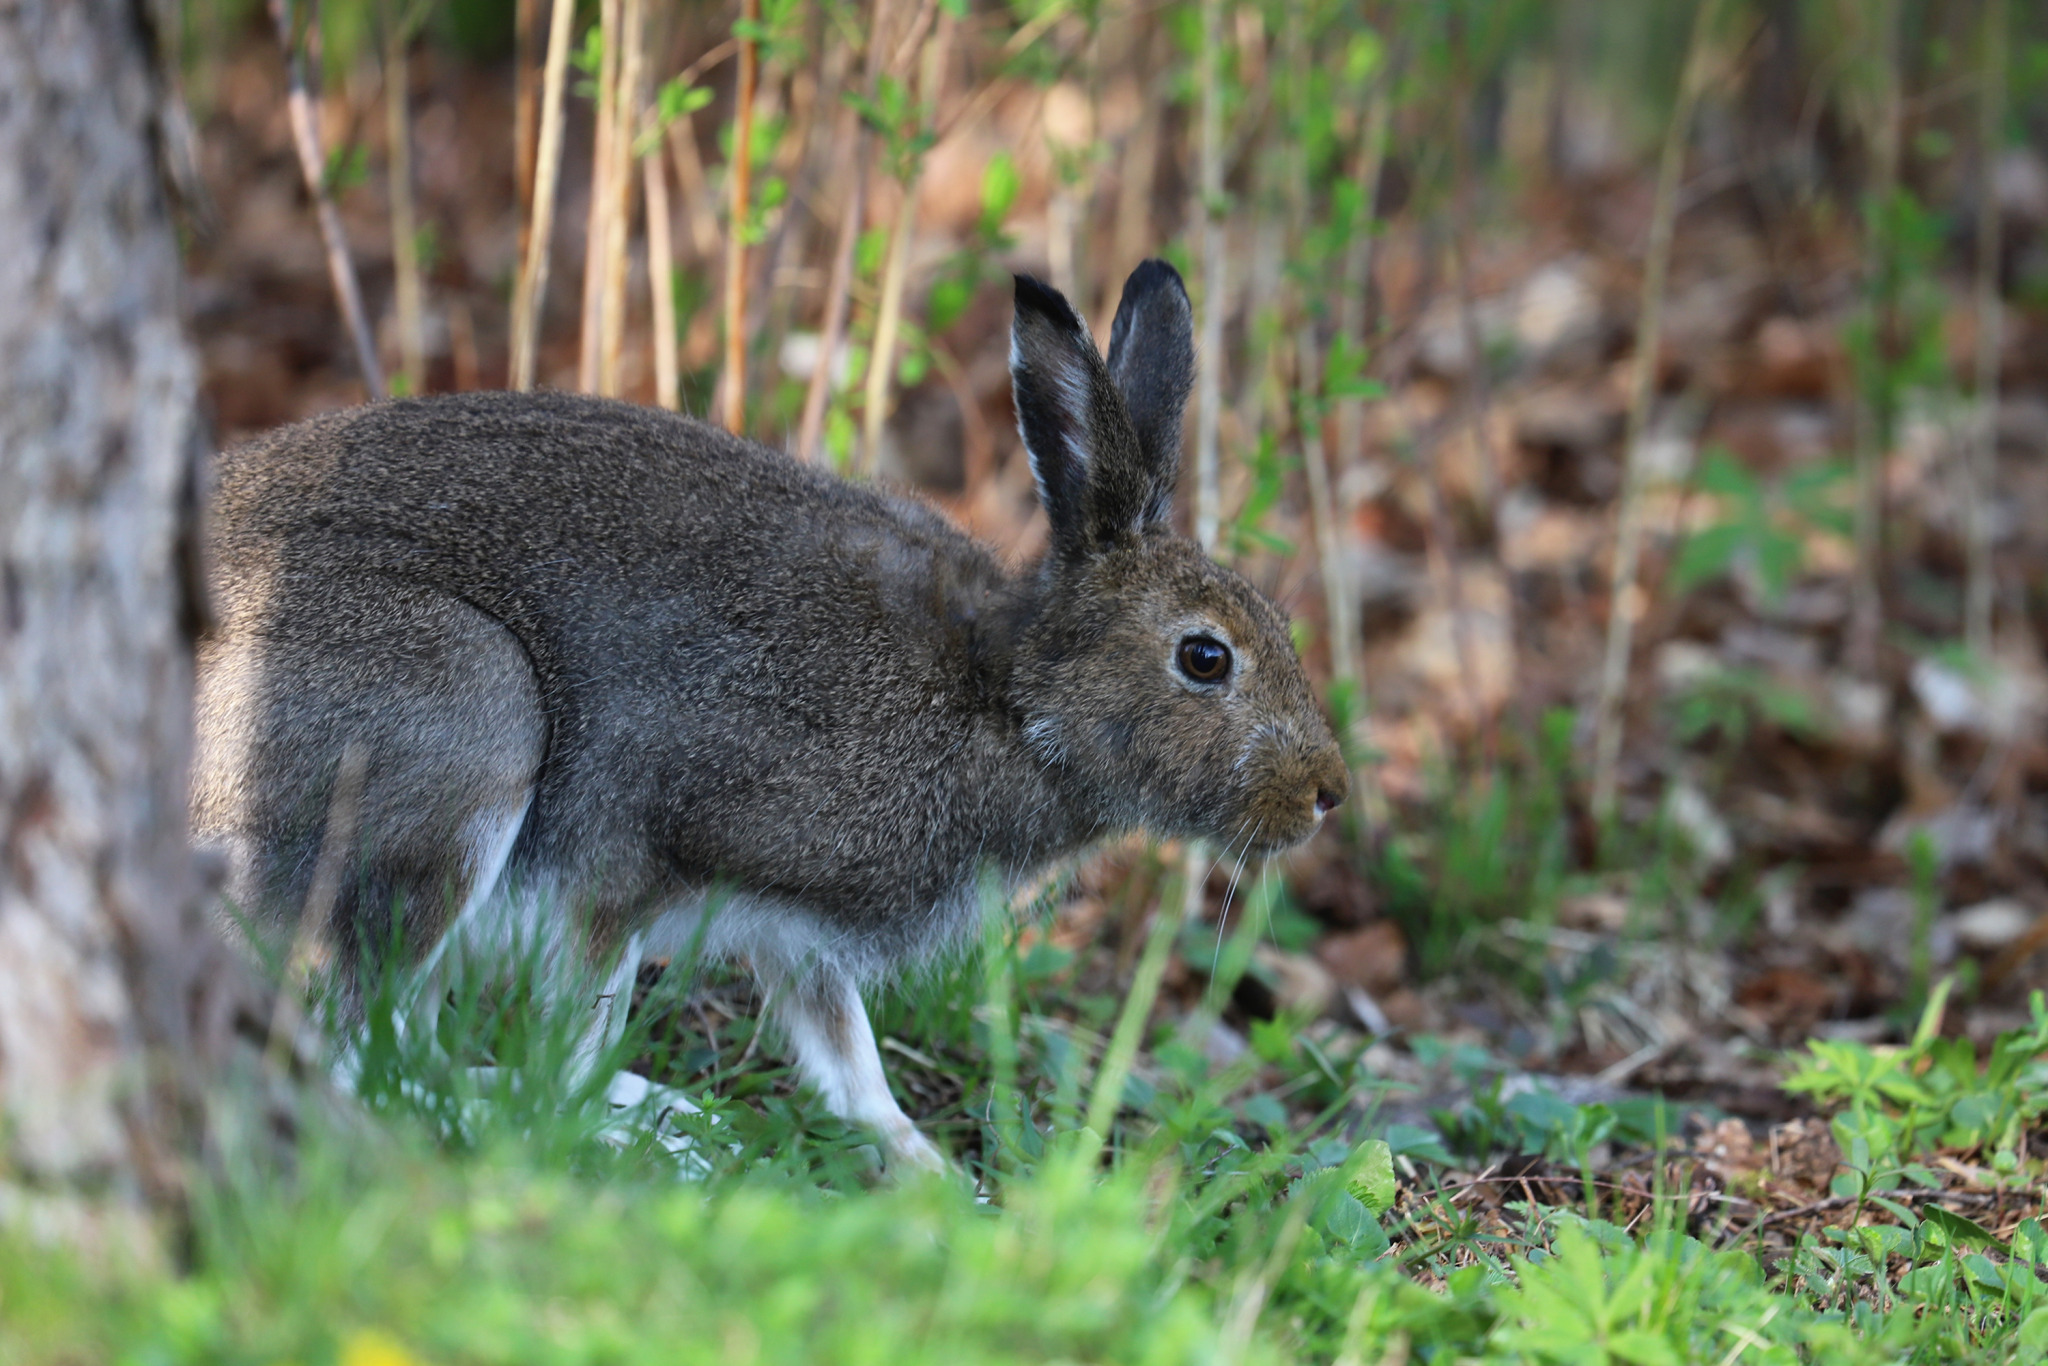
[{"x": 821, "y": 1010}]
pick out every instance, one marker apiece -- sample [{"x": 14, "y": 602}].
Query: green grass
[{"x": 449, "y": 1215}]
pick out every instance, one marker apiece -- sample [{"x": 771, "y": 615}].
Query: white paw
[{"x": 910, "y": 1151}]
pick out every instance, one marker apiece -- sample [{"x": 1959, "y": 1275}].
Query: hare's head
[{"x": 1163, "y": 684}]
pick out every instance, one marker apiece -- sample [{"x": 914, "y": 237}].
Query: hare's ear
[
  {"x": 1152, "y": 363},
  {"x": 1091, "y": 471}
]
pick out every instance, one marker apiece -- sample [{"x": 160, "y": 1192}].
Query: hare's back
[
  {"x": 658, "y": 572},
  {"x": 554, "y": 509}
]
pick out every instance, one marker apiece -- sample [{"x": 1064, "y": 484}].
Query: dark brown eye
[{"x": 1204, "y": 660}]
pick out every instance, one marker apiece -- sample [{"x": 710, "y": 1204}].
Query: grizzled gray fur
[{"x": 601, "y": 659}]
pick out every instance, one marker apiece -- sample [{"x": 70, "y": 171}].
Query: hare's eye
[{"x": 1204, "y": 660}]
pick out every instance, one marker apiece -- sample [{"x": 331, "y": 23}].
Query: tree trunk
[{"x": 113, "y": 990}]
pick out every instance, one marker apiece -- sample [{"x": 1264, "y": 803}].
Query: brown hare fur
[{"x": 606, "y": 664}]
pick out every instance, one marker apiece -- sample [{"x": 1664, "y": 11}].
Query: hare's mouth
[
  {"x": 1294, "y": 832},
  {"x": 1267, "y": 832}
]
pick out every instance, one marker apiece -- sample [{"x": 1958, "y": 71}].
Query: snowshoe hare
[{"x": 607, "y": 665}]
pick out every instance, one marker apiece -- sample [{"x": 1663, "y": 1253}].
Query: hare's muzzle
[{"x": 1302, "y": 779}]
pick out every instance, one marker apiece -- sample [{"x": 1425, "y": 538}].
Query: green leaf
[
  {"x": 589, "y": 57},
  {"x": 1000, "y": 182},
  {"x": 1364, "y": 56},
  {"x": 1707, "y": 554},
  {"x": 1372, "y": 1179},
  {"x": 1926, "y": 1282},
  {"x": 2031, "y": 1242},
  {"x": 347, "y": 167},
  {"x": 948, "y": 300},
  {"x": 867, "y": 254},
  {"x": 1644, "y": 1348},
  {"x": 1345, "y": 1220},
  {"x": 1412, "y": 1140},
  {"x": 1722, "y": 474},
  {"x": 2032, "y": 1339},
  {"x": 1273, "y": 1040},
  {"x": 1929, "y": 1028},
  {"x": 1957, "y": 1231}
]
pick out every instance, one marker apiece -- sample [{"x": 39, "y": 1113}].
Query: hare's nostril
[{"x": 1327, "y": 801}]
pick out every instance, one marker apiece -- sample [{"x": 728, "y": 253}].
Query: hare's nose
[{"x": 1327, "y": 801}]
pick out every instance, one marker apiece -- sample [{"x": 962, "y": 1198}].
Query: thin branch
[
  {"x": 1137, "y": 173},
  {"x": 691, "y": 182},
  {"x": 1209, "y": 208},
  {"x": 1308, "y": 383},
  {"x": 895, "y": 273},
  {"x": 626, "y": 106},
  {"x": 409, "y": 288},
  {"x": 854, "y": 139},
  {"x": 1981, "y": 584},
  {"x": 305, "y": 124},
  {"x": 733, "y": 386},
  {"x": 525, "y": 110},
  {"x": 1622, "y": 588},
  {"x": 661, "y": 279},
  {"x": 1875, "y": 405},
  {"x": 838, "y": 293},
  {"x": 597, "y": 236},
  {"x": 1351, "y": 300},
  {"x": 533, "y": 272},
  {"x": 1477, "y": 400}
]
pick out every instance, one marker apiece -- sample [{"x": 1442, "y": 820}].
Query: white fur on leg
[
  {"x": 835, "y": 1049},
  {"x": 609, "y": 1011}
]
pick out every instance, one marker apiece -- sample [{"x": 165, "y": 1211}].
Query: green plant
[
  {"x": 1763, "y": 527},
  {"x": 1902, "y": 1103},
  {"x": 1487, "y": 848}
]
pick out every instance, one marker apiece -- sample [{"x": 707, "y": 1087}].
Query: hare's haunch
[{"x": 604, "y": 665}]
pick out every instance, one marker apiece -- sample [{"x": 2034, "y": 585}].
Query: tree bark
[{"x": 113, "y": 990}]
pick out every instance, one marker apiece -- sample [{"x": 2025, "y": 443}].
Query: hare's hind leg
[
  {"x": 440, "y": 703},
  {"x": 821, "y": 1011}
]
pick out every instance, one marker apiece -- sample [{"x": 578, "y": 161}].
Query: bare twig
[
  {"x": 1137, "y": 172},
  {"x": 627, "y": 103},
  {"x": 305, "y": 125},
  {"x": 854, "y": 139},
  {"x": 838, "y": 289},
  {"x": 1874, "y": 409},
  {"x": 804, "y": 159},
  {"x": 1477, "y": 402},
  {"x": 405, "y": 248},
  {"x": 1351, "y": 300},
  {"x": 1981, "y": 583},
  {"x": 1209, "y": 208},
  {"x": 732, "y": 400},
  {"x": 691, "y": 183},
  {"x": 695, "y": 188},
  {"x": 533, "y": 271},
  {"x": 1622, "y": 589},
  {"x": 525, "y": 110},
  {"x": 597, "y": 235},
  {"x": 661, "y": 279},
  {"x": 896, "y": 269},
  {"x": 1308, "y": 384}
]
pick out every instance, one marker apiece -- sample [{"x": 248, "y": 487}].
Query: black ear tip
[
  {"x": 1154, "y": 273},
  {"x": 1036, "y": 296}
]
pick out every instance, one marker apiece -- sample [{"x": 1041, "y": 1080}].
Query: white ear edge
[{"x": 1072, "y": 383}]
